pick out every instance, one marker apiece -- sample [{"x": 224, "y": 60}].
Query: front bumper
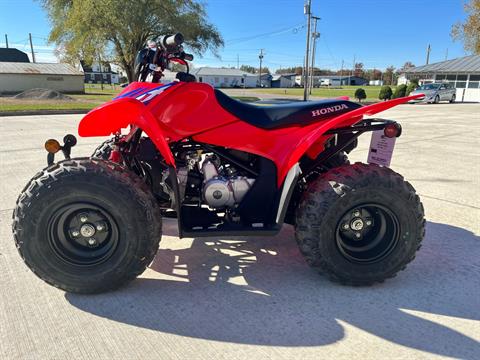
[{"x": 425, "y": 99}]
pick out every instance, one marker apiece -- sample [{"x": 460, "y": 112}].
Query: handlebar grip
[
  {"x": 188, "y": 57},
  {"x": 173, "y": 40}
]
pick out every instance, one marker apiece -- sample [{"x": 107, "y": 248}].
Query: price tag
[{"x": 381, "y": 149}]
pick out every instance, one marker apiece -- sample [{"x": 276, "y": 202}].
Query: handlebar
[
  {"x": 188, "y": 57},
  {"x": 169, "y": 49},
  {"x": 171, "y": 41}
]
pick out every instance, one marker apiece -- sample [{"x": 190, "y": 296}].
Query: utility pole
[
  {"x": 428, "y": 54},
  {"x": 315, "y": 36},
  {"x": 341, "y": 74},
  {"x": 238, "y": 61},
  {"x": 307, "y": 11},
  {"x": 353, "y": 69},
  {"x": 31, "y": 46},
  {"x": 260, "y": 56},
  {"x": 6, "y": 40}
]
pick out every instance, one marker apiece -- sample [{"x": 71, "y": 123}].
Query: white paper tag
[{"x": 381, "y": 148}]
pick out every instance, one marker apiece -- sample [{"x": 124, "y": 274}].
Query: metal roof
[
  {"x": 278, "y": 76},
  {"x": 38, "y": 69},
  {"x": 219, "y": 72},
  {"x": 468, "y": 64}
]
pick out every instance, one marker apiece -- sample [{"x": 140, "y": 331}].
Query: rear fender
[
  {"x": 313, "y": 142},
  {"x": 113, "y": 116}
]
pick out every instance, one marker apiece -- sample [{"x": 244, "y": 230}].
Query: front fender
[{"x": 113, "y": 116}]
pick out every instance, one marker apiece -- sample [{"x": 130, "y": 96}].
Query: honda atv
[{"x": 221, "y": 168}]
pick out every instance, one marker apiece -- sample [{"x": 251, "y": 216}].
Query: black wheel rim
[
  {"x": 83, "y": 234},
  {"x": 367, "y": 234}
]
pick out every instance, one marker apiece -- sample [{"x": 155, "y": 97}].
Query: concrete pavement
[{"x": 255, "y": 297}]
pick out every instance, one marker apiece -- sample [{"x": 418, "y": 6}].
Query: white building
[
  {"x": 375, "y": 83},
  {"x": 463, "y": 73},
  {"x": 283, "y": 81},
  {"x": 333, "y": 80},
  {"x": 20, "y": 76},
  {"x": 225, "y": 78}
]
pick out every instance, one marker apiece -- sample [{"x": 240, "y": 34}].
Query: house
[
  {"x": 227, "y": 78},
  {"x": 463, "y": 73},
  {"x": 97, "y": 73},
  {"x": 376, "y": 82},
  {"x": 16, "y": 77},
  {"x": 283, "y": 80},
  {"x": 333, "y": 80},
  {"x": 13, "y": 55}
]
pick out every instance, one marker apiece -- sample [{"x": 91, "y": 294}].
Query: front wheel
[
  {"x": 86, "y": 225},
  {"x": 104, "y": 150},
  {"x": 359, "y": 224},
  {"x": 437, "y": 99},
  {"x": 452, "y": 100}
]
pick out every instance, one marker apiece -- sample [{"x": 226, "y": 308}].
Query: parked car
[{"x": 436, "y": 92}]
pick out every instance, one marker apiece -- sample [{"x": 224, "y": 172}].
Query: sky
[{"x": 378, "y": 33}]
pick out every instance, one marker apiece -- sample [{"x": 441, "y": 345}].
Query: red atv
[{"x": 222, "y": 168}]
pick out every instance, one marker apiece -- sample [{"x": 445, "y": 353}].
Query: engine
[{"x": 221, "y": 190}]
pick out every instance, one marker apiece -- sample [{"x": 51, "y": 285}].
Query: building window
[
  {"x": 216, "y": 80},
  {"x": 200, "y": 79},
  {"x": 92, "y": 77},
  {"x": 242, "y": 80},
  {"x": 451, "y": 77},
  {"x": 440, "y": 78},
  {"x": 461, "y": 82},
  {"x": 474, "y": 82}
]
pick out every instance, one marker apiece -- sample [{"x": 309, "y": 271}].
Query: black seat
[{"x": 284, "y": 115}]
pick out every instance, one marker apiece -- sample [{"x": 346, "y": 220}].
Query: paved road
[{"x": 255, "y": 297}]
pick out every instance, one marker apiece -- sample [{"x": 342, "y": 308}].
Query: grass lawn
[
  {"x": 372, "y": 92},
  {"x": 93, "y": 97}
]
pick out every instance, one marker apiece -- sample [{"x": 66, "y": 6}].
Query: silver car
[{"x": 436, "y": 92}]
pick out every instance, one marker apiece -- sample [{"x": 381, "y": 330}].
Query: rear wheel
[
  {"x": 359, "y": 224},
  {"x": 437, "y": 99},
  {"x": 339, "y": 159},
  {"x": 87, "y": 225}
]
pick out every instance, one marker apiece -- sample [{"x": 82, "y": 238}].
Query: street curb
[{"x": 42, "y": 112}]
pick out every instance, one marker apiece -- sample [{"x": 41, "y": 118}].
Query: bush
[
  {"x": 385, "y": 93},
  {"x": 410, "y": 88},
  {"x": 400, "y": 91},
  {"x": 360, "y": 94}
]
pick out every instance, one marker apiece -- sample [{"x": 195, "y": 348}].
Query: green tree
[
  {"x": 385, "y": 93},
  {"x": 389, "y": 76},
  {"x": 469, "y": 31},
  {"x": 406, "y": 66},
  {"x": 249, "y": 69},
  {"x": 290, "y": 70},
  {"x": 358, "y": 71},
  {"x": 360, "y": 94},
  {"x": 254, "y": 70},
  {"x": 400, "y": 91},
  {"x": 412, "y": 86},
  {"x": 115, "y": 30}
]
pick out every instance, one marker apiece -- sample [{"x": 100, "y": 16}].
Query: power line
[{"x": 294, "y": 29}]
